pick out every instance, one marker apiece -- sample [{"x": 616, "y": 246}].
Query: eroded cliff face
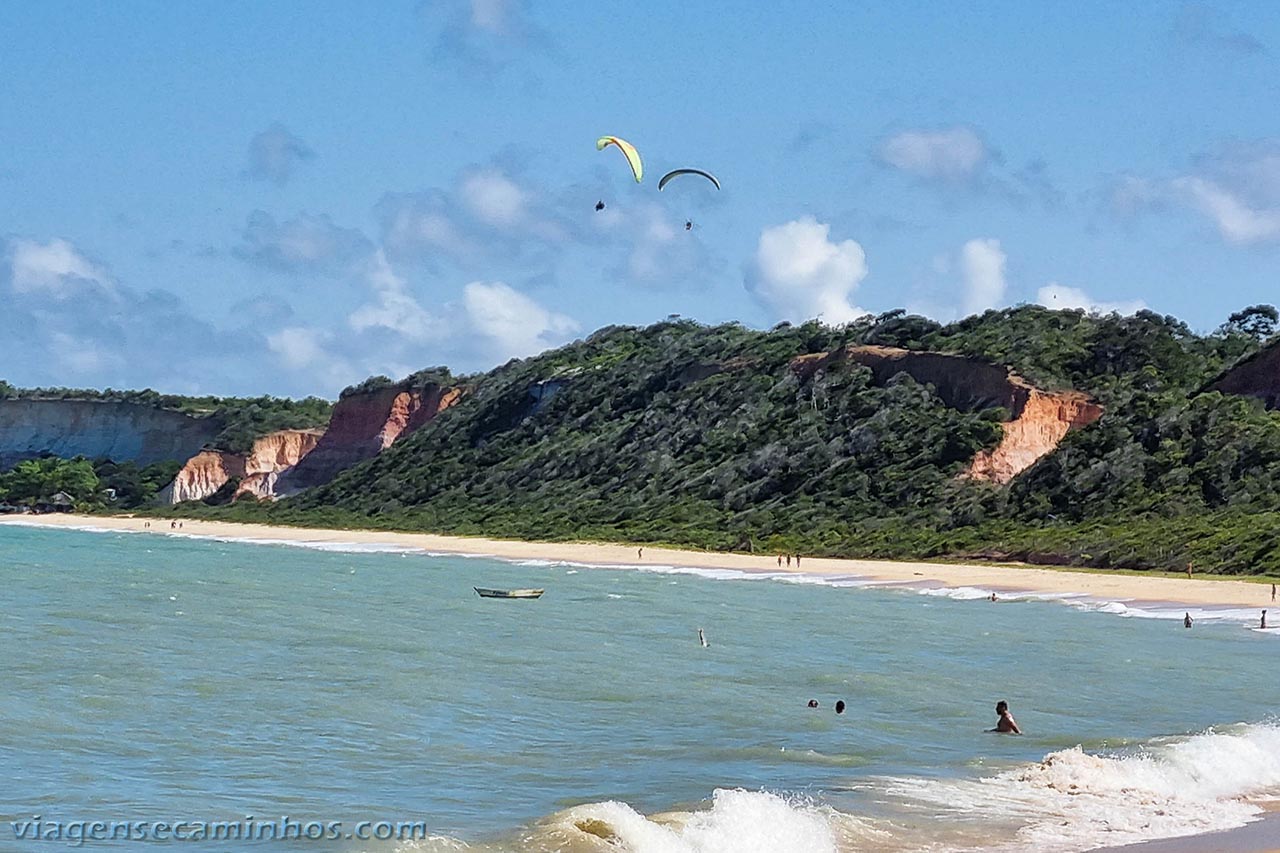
[
  {"x": 202, "y": 475},
  {"x": 1257, "y": 377},
  {"x": 1038, "y": 419},
  {"x": 362, "y": 426},
  {"x": 258, "y": 470},
  {"x": 122, "y": 432},
  {"x": 1035, "y": 431}
]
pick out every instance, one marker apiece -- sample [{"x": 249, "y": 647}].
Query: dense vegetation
[
  {"x": 241, "y": 419},
  {"x": 441, "y": 376},
  {"x": 706, "y": 437},
  {"x": 90, "y": 485}
]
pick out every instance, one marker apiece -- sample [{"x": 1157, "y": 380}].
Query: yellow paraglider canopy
[{"x": 628, "y": 150}]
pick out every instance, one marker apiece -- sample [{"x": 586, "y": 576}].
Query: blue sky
[{"x": 284, "y": 198}]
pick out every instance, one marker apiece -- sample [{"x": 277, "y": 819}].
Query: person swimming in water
[
  {"x": 1006, "y": 724},
  {"x": 839, "y": 706},
  {"x": 813, "y": 703}
]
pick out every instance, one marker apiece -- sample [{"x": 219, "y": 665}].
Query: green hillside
[{"x": 707, "y": 437}]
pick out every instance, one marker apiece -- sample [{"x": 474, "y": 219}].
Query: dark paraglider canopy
[
  {"x": 662, "y": 182},
  {"x": 600, "y": 205}
]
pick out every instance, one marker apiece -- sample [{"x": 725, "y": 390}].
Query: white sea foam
[
  {"x": 738, "y": 821},
  {"x": 333, "y": 547},
  {"x": 959, "y": 593},
  {"x": 1074, "y": 801}
]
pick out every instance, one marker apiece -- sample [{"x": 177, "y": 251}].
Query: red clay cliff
[{"x": 1038, "y": 419}]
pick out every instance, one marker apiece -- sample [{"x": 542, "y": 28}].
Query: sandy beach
[{"x": 1202, "y": 591}]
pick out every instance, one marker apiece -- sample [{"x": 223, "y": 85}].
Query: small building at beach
[{"x": 59, "y": 502}]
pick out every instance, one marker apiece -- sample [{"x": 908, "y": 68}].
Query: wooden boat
[{"x": 507, "y": 593}]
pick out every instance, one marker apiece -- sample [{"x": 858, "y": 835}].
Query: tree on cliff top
[{"x": 1256, "y": 321}]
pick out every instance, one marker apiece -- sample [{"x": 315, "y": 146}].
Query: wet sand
[{"x": 1261, "y": 836}]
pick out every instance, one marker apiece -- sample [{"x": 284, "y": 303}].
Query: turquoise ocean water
[{"x": 152, "y": 678}]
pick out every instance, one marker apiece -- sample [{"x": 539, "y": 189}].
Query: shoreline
[
  {"x": 1260, "y": 836},
  {"x": 1203, "y": 592}
]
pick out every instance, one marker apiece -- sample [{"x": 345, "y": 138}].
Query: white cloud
[
  {"x": 1054, "y": 295},
  {"x": 273, "y": 154},
  {"x": 305, "y": 244},
  {"x": 54, "y": 268},
  {"x": 657, "y": 250},
  {"x": 310, "y": 353},
  {"x": 487, "y": 214},
  {"x": 490, "y": 15},
  {"x": 297, "y": 346},
  {"x": 421, "y": 224},
  {"x": 799, "y": 273},
  {"x": 949, "y": 154},
  {"x": 395, "y": 307},
  {"x": 1130, "y": 195},
  {"x": 1237, "y": 220},
  {"x": 485, "y": 36},
  {"x": 514, "y": 325},
  {"x": 66, "y": 320},
  {"x": 83, "y": 357},
  {"x": 982, "y": 263},
  {"x": 1236, "y": 187},
  {"x": 493, "y": 198}
]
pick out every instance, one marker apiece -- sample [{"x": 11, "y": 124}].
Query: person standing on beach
[
  {"x": 780, "y": 562},
  {"x": 797, "y": 561},
  {"x": 1005, "y": 723},
  {"x": 1273, "y": 592},
  {"x": 640, "y": 553},
  {"x": 788, "y": 561}
]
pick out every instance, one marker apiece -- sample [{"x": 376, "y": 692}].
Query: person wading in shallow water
[
  {"x": 1005, "y": 723},
  {"x": 1186, "y": 621}
]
